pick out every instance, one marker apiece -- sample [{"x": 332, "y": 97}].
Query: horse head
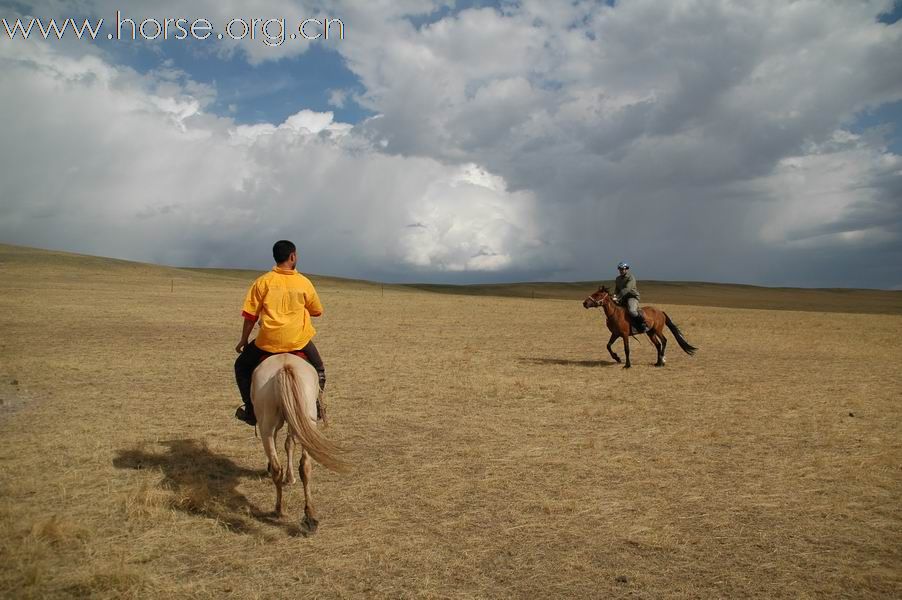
[{"x": 597, "y": 298}]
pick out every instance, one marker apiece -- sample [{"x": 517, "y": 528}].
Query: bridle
[
  {"x": 598, "y": 303},
  {"x": 595, "y": 303}
]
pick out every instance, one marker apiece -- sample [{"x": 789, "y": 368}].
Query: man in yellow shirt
[{"x": 283, "y": 301}]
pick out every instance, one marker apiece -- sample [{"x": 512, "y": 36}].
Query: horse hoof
[
  {"x": 311, "y": 524},
  {"x": 626, "y": 366}
]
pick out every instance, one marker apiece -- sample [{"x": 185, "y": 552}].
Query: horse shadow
[
  {"x": 567, "y": 363},
  {"x": 204, "y": 483}
]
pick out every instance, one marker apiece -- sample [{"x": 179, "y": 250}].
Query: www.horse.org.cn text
[{"x": 271, "y": 31}]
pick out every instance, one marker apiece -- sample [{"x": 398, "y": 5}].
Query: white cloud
[
  {"x": 338, "y": 98},
  {"x": 819, "y": 199},
  {"x": 468, "y": 222},
  {"x": 170, "y": 183}
]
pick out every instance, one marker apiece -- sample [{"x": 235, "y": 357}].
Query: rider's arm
[
  {"x": 249, "y": 321},
  {"x": 253, "y": 302},
  {"x": 314, "y": 306},
  {"x": 247, "y": 327}
]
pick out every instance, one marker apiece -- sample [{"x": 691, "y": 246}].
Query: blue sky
[
  {"x": 892, "y": 15},
  {"x": 473, "y": 141},
  {"x": 887, "y": 116},
  {"x": 268, "y": 92}
]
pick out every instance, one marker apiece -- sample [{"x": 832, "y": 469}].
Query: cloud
[
  {"x": 540, "y": 139},
  {"x": 337, "y": 98},
  {"x": 840, "y": 192},
  {"x": 468, "y": 222},
  {"x": 171, "y": 183},
  {"x": 653, "y": 130}
]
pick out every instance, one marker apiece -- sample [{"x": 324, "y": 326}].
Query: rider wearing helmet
[{"x": 627, "y": 294}]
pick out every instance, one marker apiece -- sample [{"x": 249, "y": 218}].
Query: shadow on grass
[
  {"x": 568, "y": 363},
  {"x": 204, "y": 483}
]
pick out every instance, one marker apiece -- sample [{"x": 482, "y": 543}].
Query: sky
[{"x": 440, "y": 141}]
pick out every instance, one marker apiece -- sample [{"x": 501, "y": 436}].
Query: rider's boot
[
  {"x": 246, "y": 413},
  {"x": 639, "y": 323}
]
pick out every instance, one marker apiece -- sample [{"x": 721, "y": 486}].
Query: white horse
[{"x": 284, "y": 390}]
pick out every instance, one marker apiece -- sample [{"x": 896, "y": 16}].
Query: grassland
[{"x": 497, "y": 450}]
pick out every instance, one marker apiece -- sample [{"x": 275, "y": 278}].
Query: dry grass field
[{"x": 497, "y": 451}]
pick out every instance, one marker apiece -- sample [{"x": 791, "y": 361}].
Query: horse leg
[
  {"x": 663, "y": 347},
  {"x": 613, "y": 354},
  {"x": 654, "y": 340},
  {"x": 626, "y": 350},
  {"x": 268, "y": 434},
  {"x": 306, "y": 469},
  {"x": 288, "y": 475}
]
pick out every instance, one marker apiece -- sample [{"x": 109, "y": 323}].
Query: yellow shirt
[{"x": 283, "y": 300}]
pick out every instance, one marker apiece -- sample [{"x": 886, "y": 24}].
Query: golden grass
[{"x": 497, "y": 452}]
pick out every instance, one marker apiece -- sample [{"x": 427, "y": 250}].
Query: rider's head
[
  {"x": 284, "y": 251},
  {"x": 623, "y": 267}
]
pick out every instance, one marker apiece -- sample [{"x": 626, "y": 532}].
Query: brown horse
[{"x": 618, "y": 322}]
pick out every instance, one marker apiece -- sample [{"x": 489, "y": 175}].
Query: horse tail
[
  {"x": 684, "y": 344},
  {"x": 324, "y": 451}
]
